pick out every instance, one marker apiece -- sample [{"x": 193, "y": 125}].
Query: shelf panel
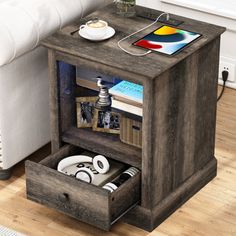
[{"x": 104, "y": 143}]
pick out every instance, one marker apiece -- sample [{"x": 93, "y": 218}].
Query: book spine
[
  {"x": 127, "y": 107},
  {"x": 130, "y": 102},
  {"x": 126, "y": 96}
]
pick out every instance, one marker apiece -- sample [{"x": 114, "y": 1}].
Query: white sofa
[{"x": 24, "y": 102}]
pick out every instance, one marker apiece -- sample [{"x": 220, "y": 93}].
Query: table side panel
[
  {"x": 147, "y": 143},
  {"x": 67, "y": 80},
  {"x": 54, "y": 102},
  {"x": 184, "y": 120}
]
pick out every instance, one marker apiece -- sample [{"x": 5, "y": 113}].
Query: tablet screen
[{"x": 167, "y": 40}]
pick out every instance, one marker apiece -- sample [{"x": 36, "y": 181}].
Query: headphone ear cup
[
  {"x": 101, "y": 164},
  {"x": 85, "y": 174}
]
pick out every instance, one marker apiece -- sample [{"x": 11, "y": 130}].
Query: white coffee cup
[{"x": 95, "y": 28}]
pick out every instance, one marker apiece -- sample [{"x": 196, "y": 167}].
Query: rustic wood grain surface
[
  {"x": 210, "y": 212},
  {"x": 108, "y": 53},
  {"x": 105, "y": 144}
]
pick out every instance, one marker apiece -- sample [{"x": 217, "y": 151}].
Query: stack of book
[{"x": 128, "y": 97}]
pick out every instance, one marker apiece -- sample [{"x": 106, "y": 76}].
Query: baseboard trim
[{"x": 150, "y": 219}]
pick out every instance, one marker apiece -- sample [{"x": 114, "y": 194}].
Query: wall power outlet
[{"x": 229, "y": 65}]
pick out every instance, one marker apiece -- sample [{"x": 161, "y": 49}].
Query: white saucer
[{"x": 110, "y": 32}]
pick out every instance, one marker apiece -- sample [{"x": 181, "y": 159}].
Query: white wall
[
  {"x": 149, "y": 3},
  {"x": 211, "y": 11}
]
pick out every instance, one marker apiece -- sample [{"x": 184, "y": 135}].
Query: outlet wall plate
[
  {"x": 171, "y": 21},
  {"x": 229, "y": 65}
]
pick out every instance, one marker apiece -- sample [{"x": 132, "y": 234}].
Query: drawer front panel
[
  {"x": 88, "y": 203},
  {"x": 75, "y": 198}
]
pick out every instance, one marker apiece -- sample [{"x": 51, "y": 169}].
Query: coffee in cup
[{"x": 95, "y": 28}]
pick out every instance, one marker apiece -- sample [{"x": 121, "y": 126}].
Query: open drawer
[{"x": 83, "y": 201}]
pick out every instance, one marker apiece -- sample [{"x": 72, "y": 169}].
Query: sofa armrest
[{"x": 23, "y": 23}]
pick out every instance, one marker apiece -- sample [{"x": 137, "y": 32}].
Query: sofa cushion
[
  {"x": 24, "y": 106},
  {"x": 17, "y": 33},
  {"x": 68, "y": 10},
  {"x": 23, "y": 23},
  {"x": 6, "y": 42},
  {"x": 43, "y": 13}
]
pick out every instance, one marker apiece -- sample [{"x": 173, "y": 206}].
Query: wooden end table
[{"x": 179, "y": 119}]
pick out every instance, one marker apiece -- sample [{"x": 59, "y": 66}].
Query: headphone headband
[
  {"x": 71, "y": 160},
  {"x": 100, "y": 164}
]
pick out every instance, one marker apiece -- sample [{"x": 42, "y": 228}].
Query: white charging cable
[{"x": 149, "y": 51}]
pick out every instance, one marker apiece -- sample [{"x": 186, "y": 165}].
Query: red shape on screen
[{"x": 148, "y": 44}]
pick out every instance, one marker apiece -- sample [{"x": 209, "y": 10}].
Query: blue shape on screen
[
  {"x": 171, "y": 38},
  {"x": 173, "y": 48}
]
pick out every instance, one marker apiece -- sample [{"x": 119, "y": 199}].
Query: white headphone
[{"x": 100, "y": 163}]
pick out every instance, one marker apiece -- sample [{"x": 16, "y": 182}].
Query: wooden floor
[{"x": 211, "y": 212}]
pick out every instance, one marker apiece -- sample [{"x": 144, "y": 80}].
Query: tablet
[{"x": 168, "y": 40}]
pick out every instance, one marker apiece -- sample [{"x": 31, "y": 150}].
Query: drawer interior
[{"x": 86, "y": 202}]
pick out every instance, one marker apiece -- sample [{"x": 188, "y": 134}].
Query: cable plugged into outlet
[
  {"x": 229, "y": 65},
  {"x": 225, "y": 76}
]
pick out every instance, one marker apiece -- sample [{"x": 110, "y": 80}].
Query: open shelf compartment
[{"x": 106, "y": 144}]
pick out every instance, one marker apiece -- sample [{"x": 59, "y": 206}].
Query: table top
[{"x": 108, "y": 53}]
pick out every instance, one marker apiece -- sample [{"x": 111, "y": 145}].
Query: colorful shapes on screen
[
  {"x": 166, "y": 34},
  {"x": 165, "y": 38},
  {"x": 180, "y": 31},
  {"x": 165, "y": 30},
  {"x": 148, "y": 44},
  {"x": 173, "y": 48}
]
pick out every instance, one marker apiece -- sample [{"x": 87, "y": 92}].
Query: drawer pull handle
[
  {"x": 64, "y": 197},
  {"x": 136, "y": 127}
]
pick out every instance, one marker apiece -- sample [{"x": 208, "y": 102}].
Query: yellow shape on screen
[{"x": 165, "y": 30}]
